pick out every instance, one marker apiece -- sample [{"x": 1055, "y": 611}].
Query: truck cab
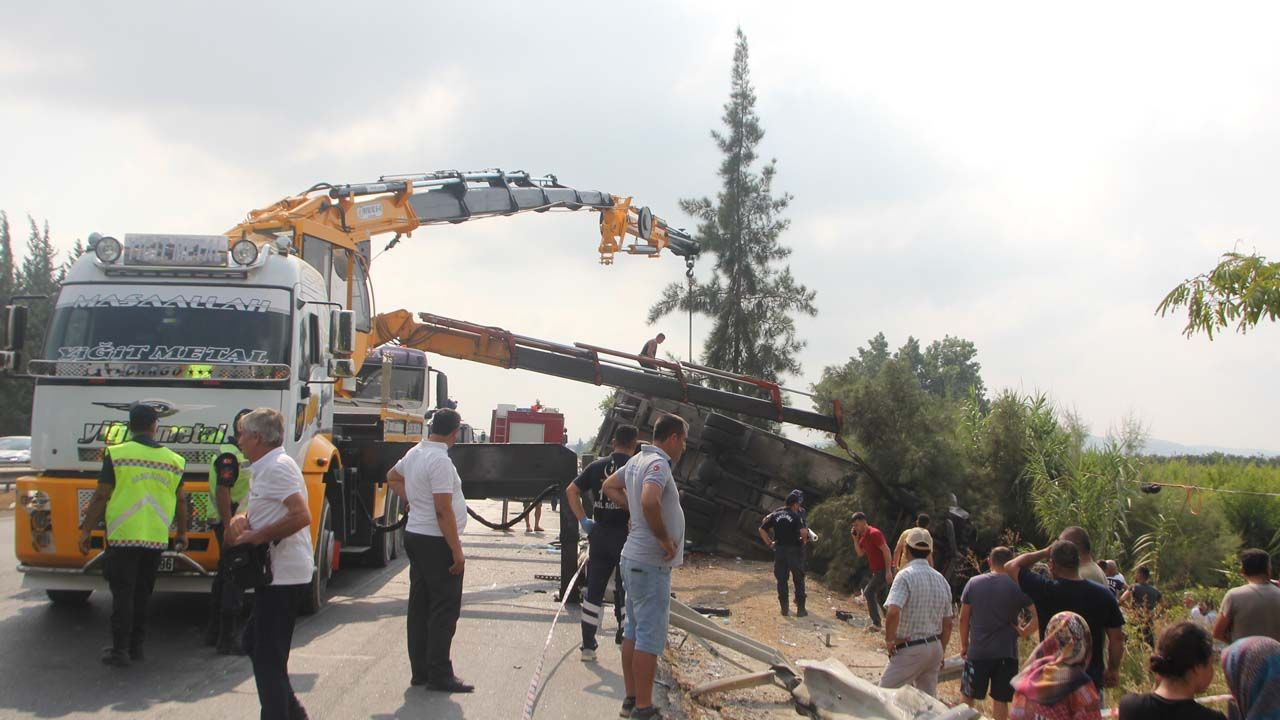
[{"x": 198, "y": 328}]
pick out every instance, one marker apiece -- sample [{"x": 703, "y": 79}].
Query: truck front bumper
[{"x": 178, "y": 573}]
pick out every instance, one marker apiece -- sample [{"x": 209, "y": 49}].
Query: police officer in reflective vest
[
  {"x": 228, "y": 485},
  {"x": 140, "y": 489},
  {"x": 790, "y": 535}
]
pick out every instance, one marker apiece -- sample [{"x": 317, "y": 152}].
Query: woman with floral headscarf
[
  {"x": 1053, "y": 685},
  {"x": 1252, "y": 668}
]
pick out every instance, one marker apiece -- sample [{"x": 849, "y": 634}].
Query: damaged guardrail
[{"x": 825, "y": 690}]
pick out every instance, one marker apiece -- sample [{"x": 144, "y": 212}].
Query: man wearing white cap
[{"x": 917, "y": 624}]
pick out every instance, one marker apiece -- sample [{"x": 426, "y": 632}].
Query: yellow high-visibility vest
[
  {"x": 241, "y": 488},
  {"x": 145, "y": 494}
]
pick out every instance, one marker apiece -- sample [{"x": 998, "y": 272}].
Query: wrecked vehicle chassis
[{"x": 731, "y": 474}]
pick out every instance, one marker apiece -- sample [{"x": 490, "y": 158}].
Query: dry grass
[{"x": 747, "y": 588}]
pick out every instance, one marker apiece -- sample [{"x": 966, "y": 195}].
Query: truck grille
[
  {"x": 193, "y": 457},
  {"x": 201, "y": 510}
]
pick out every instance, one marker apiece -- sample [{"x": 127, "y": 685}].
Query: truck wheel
[
  {"x": 383, "y": 550},
  {"x": 318, "y": 590},
  {"x": 68, "y": 597}
]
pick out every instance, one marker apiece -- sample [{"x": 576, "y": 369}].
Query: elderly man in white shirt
[
  {"x": 276, "y": 516},
  {"x": 427, "y": 479}
]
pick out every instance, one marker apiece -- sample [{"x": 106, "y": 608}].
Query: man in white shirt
[
  {"x": 277, "y": 516},
  {"x": 427, "y": 479}
]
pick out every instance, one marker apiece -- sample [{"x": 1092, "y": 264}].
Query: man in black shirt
[
  {"x": 790, "y": 535},
  {"x": 650, "y": 350},
  {"x": 1067, "y": 591},
  {"x": 606, "y": 533},
  {"x": 1145, "y": 599}
]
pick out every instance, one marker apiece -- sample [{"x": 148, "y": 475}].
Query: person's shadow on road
[{"x": 420, "y": 703}]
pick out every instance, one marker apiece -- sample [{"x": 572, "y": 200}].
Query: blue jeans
[{"x": 648, "y": 605}]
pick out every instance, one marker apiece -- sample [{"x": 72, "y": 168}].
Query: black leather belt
[{"x": 913, "y": 643}]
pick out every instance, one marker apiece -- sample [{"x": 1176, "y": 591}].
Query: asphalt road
[{"x": 348, "y": 660}]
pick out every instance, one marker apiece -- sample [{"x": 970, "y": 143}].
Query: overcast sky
[{"x": 1032, "y": 181}]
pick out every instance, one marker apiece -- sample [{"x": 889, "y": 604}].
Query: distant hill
[{"x": 1167, "y": 448}]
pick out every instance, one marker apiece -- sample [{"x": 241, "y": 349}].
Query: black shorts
[{"x": 978, "y": 674}]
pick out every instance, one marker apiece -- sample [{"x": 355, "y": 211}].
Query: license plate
[{"x": 166, "y": 564}]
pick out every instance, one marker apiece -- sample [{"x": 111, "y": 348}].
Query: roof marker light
[
  {"x": 107, "y": 249},
  {"x": 244, "y": 252}
]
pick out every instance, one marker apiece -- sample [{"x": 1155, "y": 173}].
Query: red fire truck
[{"x": 533, "y": 424}]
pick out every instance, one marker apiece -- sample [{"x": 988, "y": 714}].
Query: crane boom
[
  {"x": 349, "y": 215},
  {"x": 584, "y": 363}
]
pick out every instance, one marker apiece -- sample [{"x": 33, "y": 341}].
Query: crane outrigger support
[{"x": 667, "y": 379}]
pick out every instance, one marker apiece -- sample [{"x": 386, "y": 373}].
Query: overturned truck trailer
[{"x": 731, "y": 474}]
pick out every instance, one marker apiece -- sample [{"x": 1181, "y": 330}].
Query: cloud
[
  {"x": 418, "y": 123},
  {"x": 1031, "y": 178}
]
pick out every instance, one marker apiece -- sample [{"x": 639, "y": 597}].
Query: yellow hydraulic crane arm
[
  {"x": 494, "y": 347},
  {"x": 349, "y": 216}
]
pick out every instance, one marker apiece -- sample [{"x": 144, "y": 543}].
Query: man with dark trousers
[
  {"x": 228, "y": 486},
  {"x": 869, "y": 542},
  {"x": 140, "y": 490},
  {"x": 427, "y": 479},
  {"x": 790, "y": 535},
  {"x": 278, "y": 517},
  {"x": 606, "y": 533}
]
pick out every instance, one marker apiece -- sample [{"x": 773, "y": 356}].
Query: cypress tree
[{"x": 751, "y": 297}]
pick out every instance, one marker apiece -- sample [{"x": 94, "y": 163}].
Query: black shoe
[
  {"x": 649, "y": 713},
  {"x": 800, "y": 611},
  {"x": 452, "y": 685},
  {"x": 628, "y": 704},
  {"x": 114, "y": 657},
  {"x": 785, "y": 608}
]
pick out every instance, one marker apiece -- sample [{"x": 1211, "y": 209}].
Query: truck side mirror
[
  {"x": 442, "y": 390},
  {"x": 342, "y": 368},
  {"x": 16, "y": 328},
  {"x": 342, "y": 333}
]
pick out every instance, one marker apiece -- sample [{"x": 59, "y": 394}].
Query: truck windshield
[
  {"x": 407, "y": 383},
  {"x": 171, "y": 324}
]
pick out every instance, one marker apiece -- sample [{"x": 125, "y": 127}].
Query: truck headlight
[
  {"x": 34, "y": 500},
  {"x": 107, "y": 249},
  {"x": 244, "y": 252}
]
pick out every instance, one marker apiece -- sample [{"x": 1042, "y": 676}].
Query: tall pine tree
[
  {"x": 13, "y": 392},
  {"x": 7, "y": 281},
  {"x": 750, "y": 298},
  {"x": 37, "y": 275}
]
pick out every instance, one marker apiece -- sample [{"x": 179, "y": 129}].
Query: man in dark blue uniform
[
  {"x": 606, "y": 533},
  {"x": 790, "y": 534}
]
